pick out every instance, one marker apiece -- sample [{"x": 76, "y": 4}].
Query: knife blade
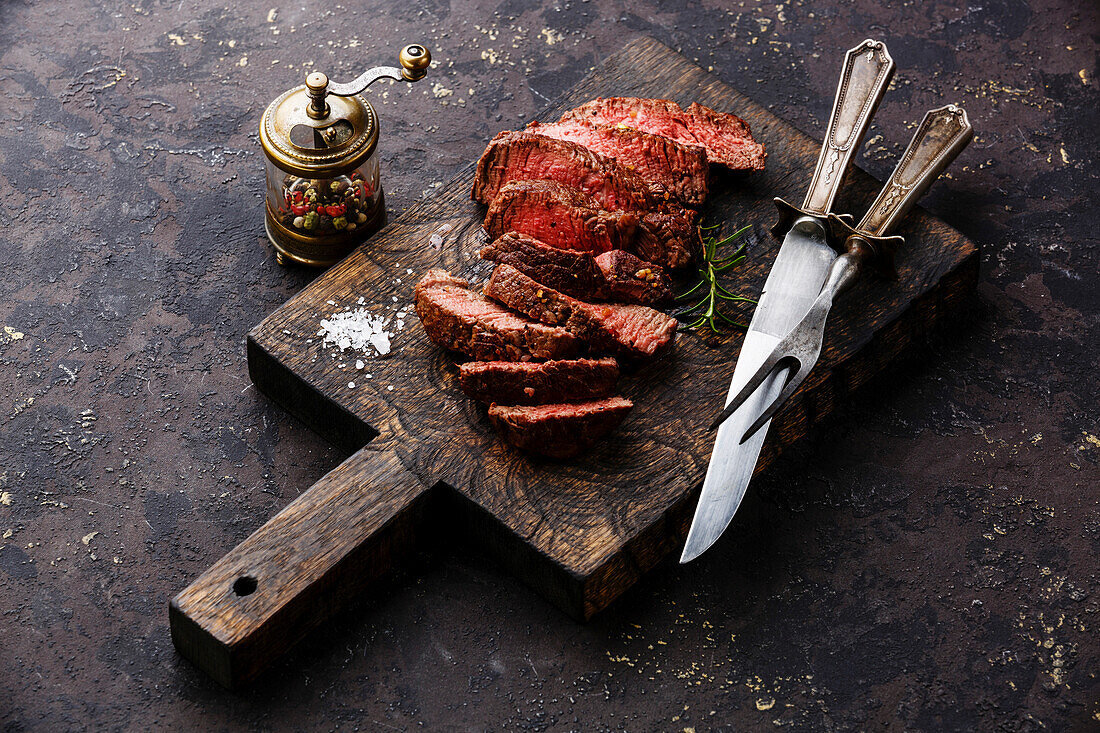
[{"x": 794, "y": 281}]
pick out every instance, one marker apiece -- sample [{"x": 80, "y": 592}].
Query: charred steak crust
[
  {"x": 569, "y": 271},
  {"x": 629, "y": 279},
  {"x": 632, "y": 331},
  {"x": 559, "y": 216},
  {"x": 559, "y": 431},
  {"x": 457, "y": 318},
  {"x": 660, "y": 161},
  {"x": 538, "y": 383},
  {"x": 726, "y": 138}
]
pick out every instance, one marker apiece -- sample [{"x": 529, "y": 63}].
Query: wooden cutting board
[{"x": 429, "y": 465}]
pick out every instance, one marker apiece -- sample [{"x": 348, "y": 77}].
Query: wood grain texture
[{"x": 582, "y": 531}]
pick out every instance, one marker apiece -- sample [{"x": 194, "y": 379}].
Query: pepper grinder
[{"x": 324, "y": 196}]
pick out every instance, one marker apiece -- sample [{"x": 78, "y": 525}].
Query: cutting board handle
[{"x": 301, "y": 567}]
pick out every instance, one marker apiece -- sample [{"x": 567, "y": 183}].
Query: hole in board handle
[{"x": 244, "y": 585}]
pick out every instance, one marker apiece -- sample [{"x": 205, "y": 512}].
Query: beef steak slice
[
  {"x": 725, "y": 137},
  {"x": 669, "y": 239},
  {"x": 616, "y": 275},
  {"x": 559, "y": 216},
  {"x": 538, "y": 383},
  {"x": 559, "y": 431},
  {"x": 569, "y": 271},
  {"x": 660, "y": 161},
  {"x": 667, "y": 235},
  {"x": 457, "y": 318},
  {"x": 728, "y": 136},
  {"x": 525, "y": 156},
  {"x": 629, "y": 279},
  {"x": 632, "y": 331}
]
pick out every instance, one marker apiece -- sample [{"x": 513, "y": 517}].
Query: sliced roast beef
[
  {"x": 632, "y": 280},
  {"x": 728, "y": 135},
  {"x": 668, "y": 238},
  {"x": 525, "y": 156},
  {"x": 667, "y": 235},
  {"x": 569, "y": 271},
  {"x": 559, "y": 216},
  {"x": 638, "y": 330},
  {"x": 725, "y": 137},
  {"x": 616, "y": 275},
  {"x": 538, "y": 383},
  {"x": 457, "y": 318},
  {"x": 559, "y": 431},
  {"x": 633, "y": 331},
  {"x": 660, "y": 161}
]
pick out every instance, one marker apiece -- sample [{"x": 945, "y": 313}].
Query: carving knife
[
  {"x": 939, "y": 139},
  {"x": 795, "y": 280}
]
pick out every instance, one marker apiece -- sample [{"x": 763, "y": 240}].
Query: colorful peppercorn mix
[{"x": 320, "y": 207}]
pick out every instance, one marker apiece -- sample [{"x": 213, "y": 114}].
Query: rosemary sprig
[{"x": 709, "y": 292}]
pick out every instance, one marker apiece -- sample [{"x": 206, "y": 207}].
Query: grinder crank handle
[
  {"x": 414, "y": 58},
  {"x": 941, "y": 136},
  {"x": 315, "y": 556},
  {"x": 864, "y": 77}
]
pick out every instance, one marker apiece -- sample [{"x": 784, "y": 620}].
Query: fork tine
[
  {"x": 778, "y": 354},
  {"x": 788, "y": 390}
]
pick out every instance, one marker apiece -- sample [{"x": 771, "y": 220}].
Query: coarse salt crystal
[
  {"x": 358, "y": 363},
  {"x": 351, "y": 385},
  {"x": 380, "y": 342},
  {"x": 358, "y": 329}
]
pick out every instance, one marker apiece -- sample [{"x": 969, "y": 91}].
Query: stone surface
[{"x": 929, "y": 563}]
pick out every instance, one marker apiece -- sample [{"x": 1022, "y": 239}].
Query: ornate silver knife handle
[
  {"x": 864, "y": 77},
  {"x": 941, "y": 136},
  {"x": 867, "y": 71}
]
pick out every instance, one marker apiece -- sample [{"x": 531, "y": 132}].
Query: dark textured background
[{"x": 929, "y": 562}]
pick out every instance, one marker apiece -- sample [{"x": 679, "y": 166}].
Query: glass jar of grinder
[{"x": 323, "y": 192}]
